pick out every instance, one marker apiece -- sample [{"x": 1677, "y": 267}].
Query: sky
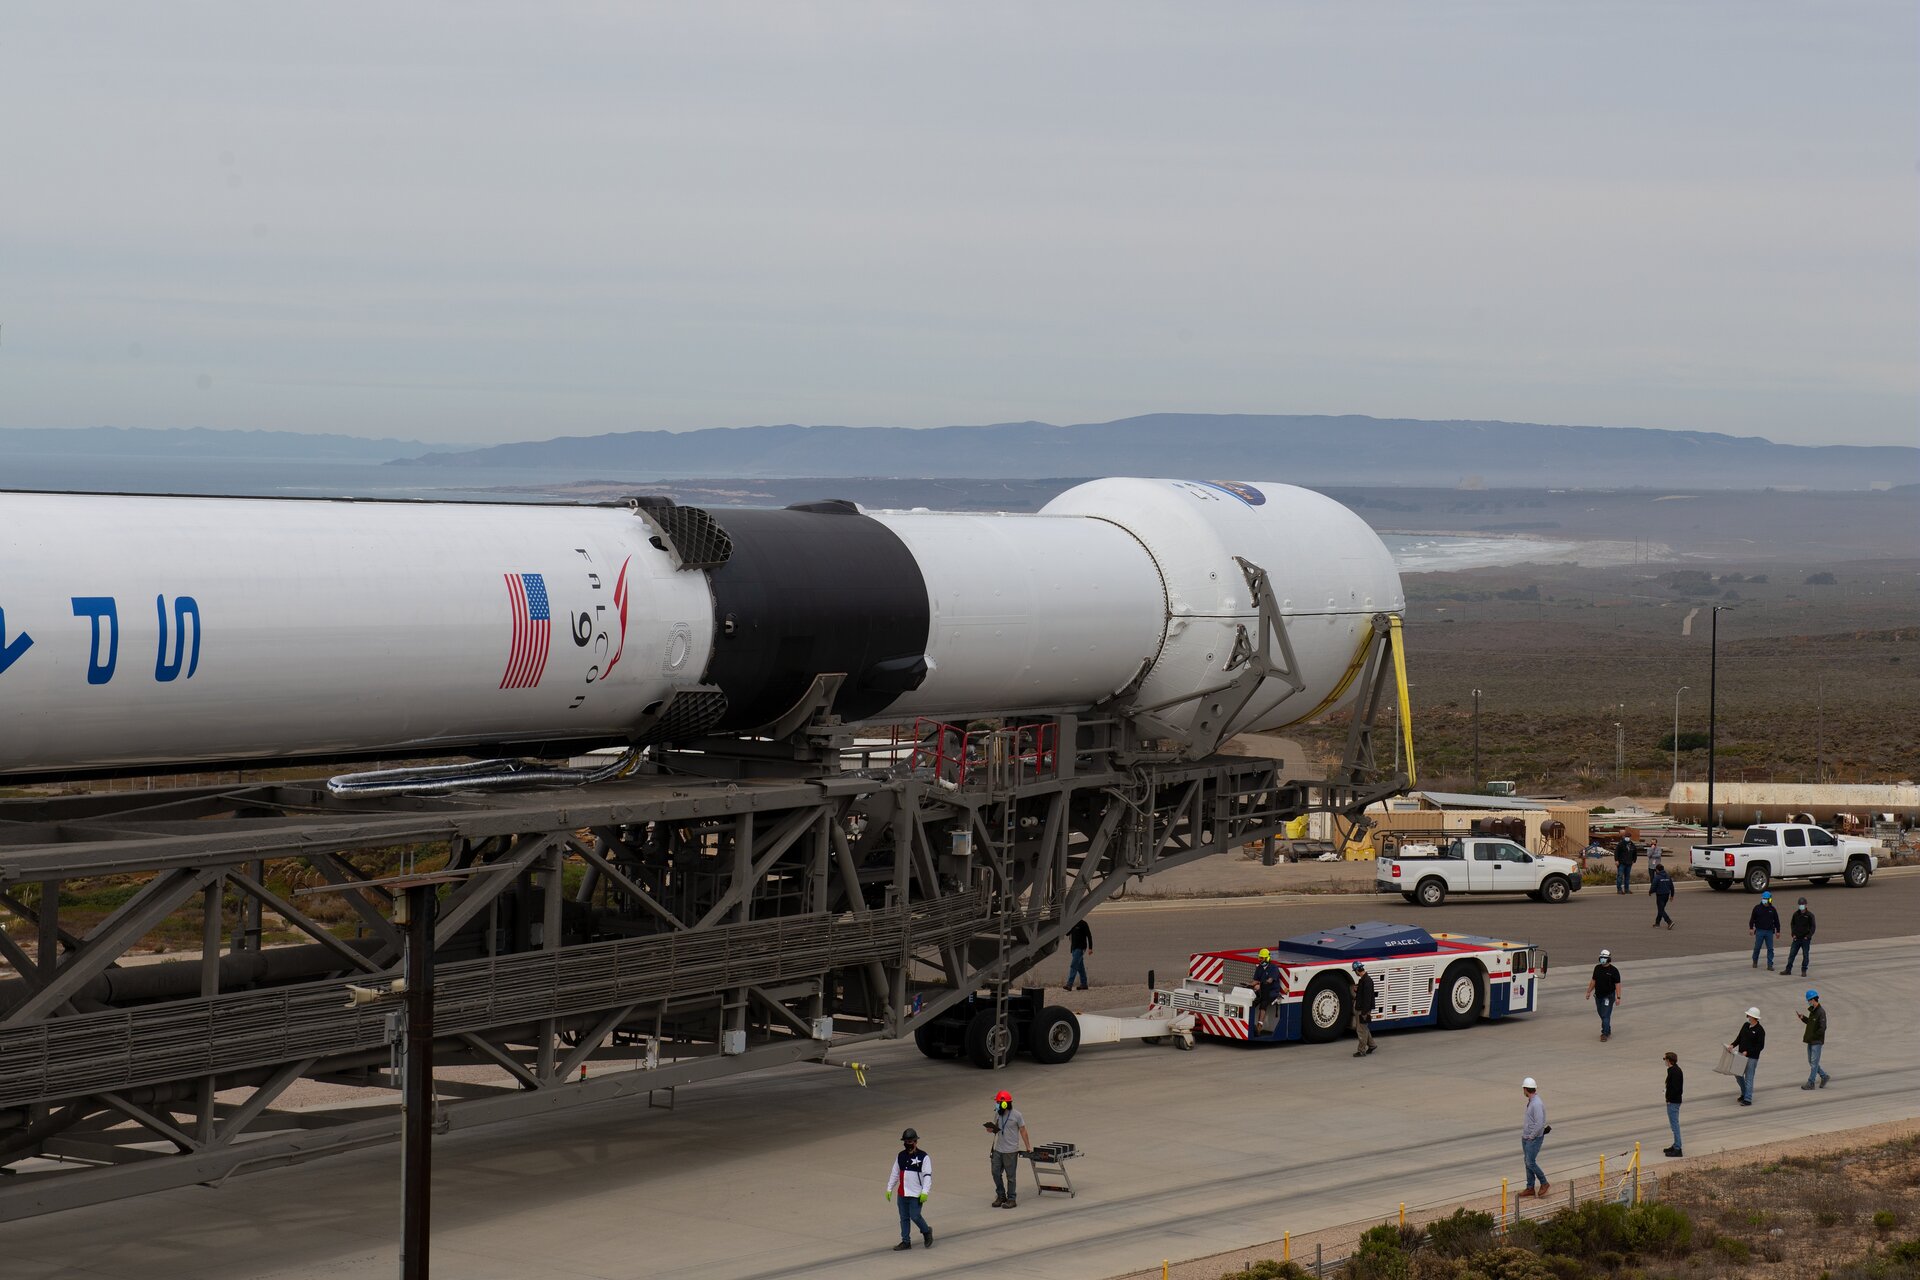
[{"x": 487, "y": 222}]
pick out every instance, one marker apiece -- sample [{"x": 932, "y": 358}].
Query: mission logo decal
[{"x": 1238, "y": 489}]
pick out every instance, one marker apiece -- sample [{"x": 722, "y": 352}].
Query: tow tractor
[{"x": 1420, "y": 979}]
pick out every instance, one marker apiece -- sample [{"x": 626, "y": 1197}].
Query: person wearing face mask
[
  {"x": 1010, "y": 1138},
  {"x": 909, "y": 1183},
  {"x": 1800, "y": 925}
]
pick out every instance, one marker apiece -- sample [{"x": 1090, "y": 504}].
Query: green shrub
[
  {"x": 1564, "y": 1267},
  {"x": 1885, "y": 1220},
  {"x": 1906, "y": 1253},
  {"x": 1658, "y": 1228},
  {"x": 1584, "y": 1230},
  {"x": 1268, "y": 1269},
  {"x": 1462, "y": 1234},
  {"x": 1509, "y": 1263},
  {"x": 1382, "y": 1255},
  {"x": 1732, "y": 1248}
]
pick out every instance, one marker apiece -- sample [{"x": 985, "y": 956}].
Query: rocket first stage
[{"x": 165, "y": 631}]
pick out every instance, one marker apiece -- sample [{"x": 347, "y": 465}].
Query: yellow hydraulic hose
[{"x": 1400, "y": 681}]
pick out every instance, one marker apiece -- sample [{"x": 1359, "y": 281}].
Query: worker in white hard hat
[
  {"x": 1748, "y": 1044},
  {"x": 1533, "y": 1135},
  {"x": 1266, "y": 991}
]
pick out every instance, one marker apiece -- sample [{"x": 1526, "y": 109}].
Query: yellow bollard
[
  {"x": 1403, "y": 1215},
  {"x": 1286, "y": 1246},
  {"x": 1163, "y": 1269},
  {"x": 1603, "y": 1177},
  {"x": 1503, "y": 1199},
  {"x": 1636, "y": 1173}
]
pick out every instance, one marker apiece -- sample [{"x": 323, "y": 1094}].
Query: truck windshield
[{"x": 1760, "y": 835}]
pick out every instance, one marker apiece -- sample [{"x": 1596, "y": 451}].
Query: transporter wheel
[
  {"x": 1758, "y": 877},
  {"x": 932, "y": 1043},
  {"x": 1555, "y": 889},
  {"x": 1431, "y": 892},
  {"x": 986, "y": 1040},
  {"x": 1461, "y": 990},
  {"x": 1858, "y": 873},
  {"x": 1327, "y": 1009},
  {"x": 1056, "y": 1036},
  {"x": 1718, "y": 885}
]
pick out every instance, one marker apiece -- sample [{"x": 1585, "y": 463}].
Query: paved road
[
  {"x": 1188, "y": 1154},
  {"x": 1130, "y": 938}
]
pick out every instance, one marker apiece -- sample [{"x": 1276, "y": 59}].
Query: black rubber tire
[
  {"x": 1460, "y": 995},
  {"x": 1327, "y": 1010},
  {"x": 1056, "y": 1036},
  {"x": 980, "y": 1041},
  {"x": 1858, "y": 873},
  {"x": 1430, "y": 892},
  {"x": 1719, "y": 886},
  {"x": 1758, "y": 877},
  {"x": 1555, "y": 889},
  {"x": 935, "y": 1046}
]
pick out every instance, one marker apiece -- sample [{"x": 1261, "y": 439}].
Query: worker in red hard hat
[{"x": 1010, "y": 1138}]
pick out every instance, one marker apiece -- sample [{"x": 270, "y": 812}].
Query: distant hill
[
  {"x": 1302, "y": 449},
  {"x": 200, "y": 442}
]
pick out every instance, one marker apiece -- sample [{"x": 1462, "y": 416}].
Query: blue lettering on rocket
[
  {"x": 10, "y": 650},
  {"x": 184, "y": 607},
  {"x": 99, "y": 608}
]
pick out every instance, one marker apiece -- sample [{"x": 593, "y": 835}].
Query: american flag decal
[{"x": 532, "y": 629}]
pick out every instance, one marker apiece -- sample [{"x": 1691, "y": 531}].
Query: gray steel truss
[{"x": 731, "y": 907}]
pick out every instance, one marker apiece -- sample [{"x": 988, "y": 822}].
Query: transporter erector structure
[{"x": 708, "y": 790}]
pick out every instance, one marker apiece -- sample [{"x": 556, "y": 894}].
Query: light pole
[
  {"x": 1619, "y": 751},
  {"x": 1676, "y": 734},
  {"x": 1713, "y": 709},
  {"x": 1476, "y": 739}
]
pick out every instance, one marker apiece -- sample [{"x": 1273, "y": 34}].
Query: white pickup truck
[
  {"x": 1474, "y": 864},
  {"x": 1784, "y": 850}
]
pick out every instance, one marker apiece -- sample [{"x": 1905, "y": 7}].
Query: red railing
[{"x": 1005, "y": 753}]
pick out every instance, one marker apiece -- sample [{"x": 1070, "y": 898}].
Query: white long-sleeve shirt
[{"x": 911, "y": 1173}]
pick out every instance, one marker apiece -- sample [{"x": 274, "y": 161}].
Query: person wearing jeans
[
  {"x": 1079, "y": 942},
  {"x": 1533, "y": 1135},
  {"x": 1800, "y": 925},
  {"x": 1676, "y": 1082},
  {"x": 1604, "y": 991},
  {"x": 910, "y": 1178},
  {"x": 1763, "y": 924},
  {"x": 1751, "y": 1040},
  {"x": 1815, "y": 1038}
]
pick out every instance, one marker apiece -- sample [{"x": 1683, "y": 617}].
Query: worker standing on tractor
[
  {"x": 911, "y": 1178},
  {"x": 1266, "y": 990},
  {"x": 1010, "y": 1138}
]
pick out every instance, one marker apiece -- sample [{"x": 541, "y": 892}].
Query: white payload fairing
[{"x": 162, "y": 631}]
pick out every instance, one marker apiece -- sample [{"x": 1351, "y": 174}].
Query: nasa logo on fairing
[{"x": 1238, "y": 489}]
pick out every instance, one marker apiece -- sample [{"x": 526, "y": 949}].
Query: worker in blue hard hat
[
  {"x": 1815, "y": 1038},
  {"x": 1763, "y": 924},
  {"x": 1266, "y": 991}
]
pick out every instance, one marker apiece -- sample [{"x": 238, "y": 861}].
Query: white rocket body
[{"x": 161, "y": 631}]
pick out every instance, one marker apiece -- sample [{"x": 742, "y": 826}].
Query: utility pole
[
  {"x": 1713, "y": 711},
  {"x": 1676, "y": 738},
  {"x": 1619, "y": 751},
  {"x": 1476, "y": 739},
  {"x": 1820, "y": 733}
]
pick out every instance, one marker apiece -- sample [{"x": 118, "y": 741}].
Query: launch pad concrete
[{"x": 782, "y": 1174}]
